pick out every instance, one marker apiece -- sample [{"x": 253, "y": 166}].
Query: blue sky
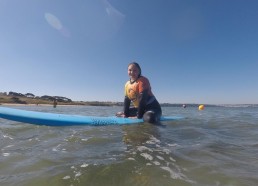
[{"x": 192, "y": 51}]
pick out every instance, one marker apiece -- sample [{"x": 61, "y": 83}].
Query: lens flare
[{"x": 53, "y": 21}]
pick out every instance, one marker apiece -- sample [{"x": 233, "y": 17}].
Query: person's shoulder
[
  {"x": 128, "y": 82},
  {"x": 143, "y": 79}
]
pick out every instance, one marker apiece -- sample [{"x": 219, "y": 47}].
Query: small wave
[
  {"x": 147, "y": 156},
  {"x": 6, "y": 154},
  {"x": 77, "y": 174},
  {"x": 143, "y": 148},
  {"x": 8, "y": 146},
  {"x": 177, "y": 175},
  {"x": 84, "y": 165},
  {"x": 172, "y": 145},
  {"x": 6, "y": 136},
  {"x": 172, "y": 159},
  {"x": 238, "y": 105},
  {"x": 66, "y": 177},
  {"x": 153, "y": 140},
  {"x": 159, "y": 157},
  {"x": 132, "y": 159},
  {"x": 173, "y": 174},
  {"x": 58, "y": 148},
  {"x": 156, "y": 163}
]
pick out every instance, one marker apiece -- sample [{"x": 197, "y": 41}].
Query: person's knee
[{"x": 150, "y": 117}]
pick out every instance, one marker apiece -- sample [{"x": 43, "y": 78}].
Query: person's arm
[
  {"x": 144, "y": 87},
  {"x": 127, "y": 103},
  {"x": 142, "y": 103}
]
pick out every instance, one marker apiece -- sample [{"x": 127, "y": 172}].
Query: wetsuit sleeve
[
  {"x": 127, "y": 102},
  {"x": 144, "y": 87},
  {"x": 142, "y": 103}
]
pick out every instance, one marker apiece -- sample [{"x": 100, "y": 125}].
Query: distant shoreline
[
  {"x": 18, "y": 104},
  {"x": 49, "y": 100},
  {"x": 7, "y": 100},
  {"x": 105, "y": 105}
]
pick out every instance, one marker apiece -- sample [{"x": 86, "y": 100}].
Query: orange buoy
[{"x": 201, "y": 107}]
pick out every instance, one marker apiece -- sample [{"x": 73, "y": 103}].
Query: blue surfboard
[{"x": 53, "y": 119}]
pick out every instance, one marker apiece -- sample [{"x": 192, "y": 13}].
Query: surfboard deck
[{"x": 53, "y": 119}]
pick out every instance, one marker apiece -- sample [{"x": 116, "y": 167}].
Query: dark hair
[{"x": 138, "y": 66}]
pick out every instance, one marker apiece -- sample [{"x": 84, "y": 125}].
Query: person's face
[{"x": 133, "y": 72}]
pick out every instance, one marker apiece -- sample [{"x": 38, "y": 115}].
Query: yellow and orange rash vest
[{"x": 134, "y": 89}]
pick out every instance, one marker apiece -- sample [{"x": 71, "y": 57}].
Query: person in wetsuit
[{"x": 138, "y": 91}]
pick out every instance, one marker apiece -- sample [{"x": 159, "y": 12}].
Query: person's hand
[
  {"x": 120, "y": 115},
  {"x": 133, "y": 117}
]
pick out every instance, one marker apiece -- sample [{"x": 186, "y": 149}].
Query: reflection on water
[{"x": 217, "y": 146}]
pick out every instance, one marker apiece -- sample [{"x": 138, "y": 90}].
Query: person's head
[{"x": 134, "y": 71}]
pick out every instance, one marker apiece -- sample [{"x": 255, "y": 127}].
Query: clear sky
[{"x": 192, "y": 51}]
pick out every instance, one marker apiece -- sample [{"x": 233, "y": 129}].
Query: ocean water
[{"x": 214, "y": 147}]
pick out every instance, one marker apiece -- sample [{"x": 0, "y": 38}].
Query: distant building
[
  {"x": 45, "y": 97},
  {"x": 30, "y": 95},
  {"x": 62, "y": 99},
  {"x": 57, "y": 98},
  {"x": 15, "y": 94}
]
